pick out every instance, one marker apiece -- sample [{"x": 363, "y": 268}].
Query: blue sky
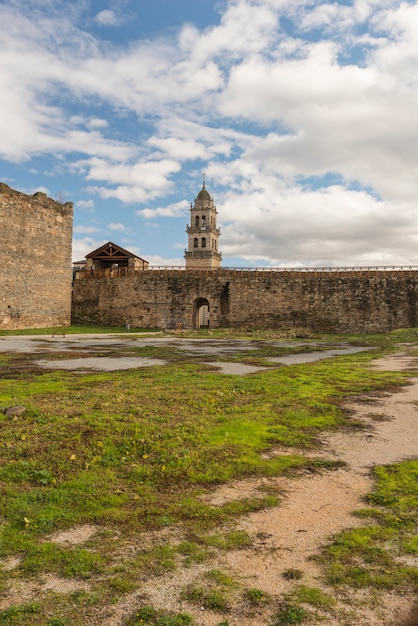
[{"x": 301, "y": 113}]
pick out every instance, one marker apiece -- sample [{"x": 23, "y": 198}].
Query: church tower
[{"x": 203, "y": 234}]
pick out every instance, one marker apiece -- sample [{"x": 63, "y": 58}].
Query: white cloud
[
  {"x": 178, "y": 148},
  {"x": 41, "y": 189},
  {"x": 86, "y": 230},
  {"x": 139, "y": 182},
  {"x": 178, "y": 209},
  {"x": 97, "y": 122},
  {"x": 117, "y": 226},
  {"x": 85, "y": 204},
  {"x": 160, "y": 261},
  {"x": 247, "y": 27},
  {"x": 279, "y": 93},
  {"x": 108, "y": 18},
  {"x": 82, "y": 247},
  {"x": 331, "y": 226}
]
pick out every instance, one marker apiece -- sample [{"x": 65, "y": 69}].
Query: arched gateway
[{"x": 201, "y": 314}]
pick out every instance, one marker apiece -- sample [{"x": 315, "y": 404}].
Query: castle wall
[
  {"x": 363, "y": 301},
  {"x": 35, "y": 245}
]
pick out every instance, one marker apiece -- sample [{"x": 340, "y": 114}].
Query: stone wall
[
  {"x": 363, "y": 301},
  {"x": 35, "y": 244}
]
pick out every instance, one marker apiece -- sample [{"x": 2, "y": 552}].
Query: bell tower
[{"x": 203, "y": 233}]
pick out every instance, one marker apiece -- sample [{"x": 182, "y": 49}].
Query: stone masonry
[
  {"x": 334, "y": 301},
  {"x": 203, "y": 233},
  {"x": 35, "y": 243}
]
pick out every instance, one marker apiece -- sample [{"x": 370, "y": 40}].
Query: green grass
[
  {"x": 112, "y": 442},
  {"x": 152, "y": 617},
  {"x": 20, "y": 614},
  {"x": 290, "y": 613},
  {"x": 374, "y": 555},
  {"x": 134, "y": 451},
  {"x": 313, "y": 596},
  {"x": 257, "y": 597},
  {"x": 212, "y": 594},
  {"x": 74, "y": 330}
]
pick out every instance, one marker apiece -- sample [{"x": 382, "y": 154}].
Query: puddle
[
  {"x": 203, "y": 346},
  {"x": 241, "y": 369},
  {"x": 317, "y": 355},
  {"x": 103, "y": 364},
  {"x": 193, "y": 347}
]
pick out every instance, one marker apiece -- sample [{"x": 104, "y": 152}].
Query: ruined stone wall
[
  {"x": 35, "y": 275},
  {"x": 346, "y": 302},
  {"x": 326, "y": 301}
]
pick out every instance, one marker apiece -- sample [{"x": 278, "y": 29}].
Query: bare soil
[{"x": 313, "y": 508}]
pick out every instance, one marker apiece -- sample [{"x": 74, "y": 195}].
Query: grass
[
  {"x": 376, "y": 555},
  {"x": 75, "y": 330},
  {"x": 20, "y": 614},
  {"x": 152, "y": 617},
  {"x": 257, "y": 597},
  {"x": 290, "y": 614},
  {"x": 213, "y": 593},
  {"x": 134, "y": 451}
]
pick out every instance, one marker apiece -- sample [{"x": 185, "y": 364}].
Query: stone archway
[{"x": 201, "y": 313}]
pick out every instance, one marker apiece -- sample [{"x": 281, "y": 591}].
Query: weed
[
  {"x": 314, "y": 597},
  {"x": 21, "y": 614},
  {"x": 210, "y": 598},
  {"x": 152, "y": 617},
  {"x": 256, "y": 597},
  {"x": 121, "y": 585},
  {"x": 160, "y": 559},
  {"x": 292, "y": 574},
  {"x": 192, "y": 552},
  {"x": 290, "y": 614},
  {"x": 368, "y": 556},
  {"x": 220, "y": 578},
  {"x": 135, "y": 450},
  {"x": 49, "y": 557},
  {"x": 84, "y": 598}
]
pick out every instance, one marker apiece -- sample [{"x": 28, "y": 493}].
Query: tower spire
[{"x": 203, "y": 233}]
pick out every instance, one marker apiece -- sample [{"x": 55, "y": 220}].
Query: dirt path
[
  {"x": 313, "y": 508},
  {"x": 318, "y": 506}
]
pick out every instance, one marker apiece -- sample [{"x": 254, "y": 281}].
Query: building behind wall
[
  {"x": 35, "y": 279},
  {"x": 203, "y": 234}
]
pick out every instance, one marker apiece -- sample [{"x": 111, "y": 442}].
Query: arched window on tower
[
  {"x": 196, "y": 221},
  {"x": 203, "y": 242},
  {"x": 195, "y": 243},
  {"x": 203, "y": 222}
]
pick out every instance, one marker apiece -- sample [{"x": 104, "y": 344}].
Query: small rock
[{"x": 15, "y": 410}]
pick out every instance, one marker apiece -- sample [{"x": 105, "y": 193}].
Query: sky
[{"x": 302, "y": 115}]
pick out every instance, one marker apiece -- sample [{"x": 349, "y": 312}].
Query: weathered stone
[
  {"x": 345, "y": 301},
  {"x": 203, "y": 233},
  {"x": 15, "y": 411},
  {"x": 35, "y": 242}
]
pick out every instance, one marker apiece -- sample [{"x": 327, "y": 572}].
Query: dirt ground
[{"x": 313, "y": 508}]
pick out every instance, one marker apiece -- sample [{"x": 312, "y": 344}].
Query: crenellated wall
[
  {"x": 345, "y": 301},
  {"x": 35, "y": 244}
]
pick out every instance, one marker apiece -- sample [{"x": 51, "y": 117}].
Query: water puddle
[
  {"x": 103, "y": 364},
  {"x": 317, "y": 355}
]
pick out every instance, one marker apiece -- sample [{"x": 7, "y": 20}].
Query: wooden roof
[{"x": 112, "y": 252}]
